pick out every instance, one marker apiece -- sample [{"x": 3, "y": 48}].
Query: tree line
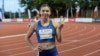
[{"x": 61, "y": 6}]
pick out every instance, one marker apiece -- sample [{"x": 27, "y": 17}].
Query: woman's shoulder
[
  {"x": 34, "y": 24},
  {"x": 55, "y": 23}
]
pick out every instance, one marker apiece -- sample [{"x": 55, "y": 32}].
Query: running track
[{"x": 79, "y": 39}]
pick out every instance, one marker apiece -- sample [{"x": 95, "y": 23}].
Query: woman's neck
[{"x": 45, "y": 21}]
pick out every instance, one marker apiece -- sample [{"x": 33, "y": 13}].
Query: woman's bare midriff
[{"x": 47, "y": 46}]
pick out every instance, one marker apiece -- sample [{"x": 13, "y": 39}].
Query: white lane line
[
  {"x": 84, "y": 39},
  {"x": 79, "y": 46},
  {"x": 13, "y": 44},
  {"x": 12, "y": 36},
  {"x": 63, "y": 40},
  {"x": 78, "y": 31},
  {"x": 21, "y": 53},
  {"x": 17, "y": 35},
  {"x": 15, "y": 49},
  {"x": 30, "y": 47},
  {"x": 31, "y": 50},
  {"x": 69, "y": 30},
  {"x": 61, "y": 51},
  {"x": 9, "y": 42},
  {"x": 67, "y": 43},
  {"x": 58, "y": 45},
  {"x": 72, "y": 41},
  {"x": 92, "y": 53},
  {"x": 97, "y": 34},
  {"x": 94, "y": 28}
]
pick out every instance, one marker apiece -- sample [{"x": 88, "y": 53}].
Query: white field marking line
[
  {"x": 94, "y": 28},
  {"x": 67, "y": 43},
  {"x": 61, "y": 45},
  {"x": 34, "y": 44},
  {"x": 14, "y": 49},
  {"x": 11, "y": 44},
  {"x": 80, "y": 46},
  {"x": 19, "y": 43},
  {"x": 61, "y": 51},
  {"x": 28, "y": 51},
  {"x": 25, "y": 52},
  {"x": 14, "y": 41},
  {"x": 77, "y": 31},
  {"x": 21, "y": 53},
  {"x": 12, "y": 36},
  {"x": 71, "y": 42},
  {"x": 84, "y": 39},
  {"x": 92, "y": 53},
  {"x": 69, "y": 30},
  {"x": 25, "y": 42},
  {"x": 69, "y": 27},
  {"x": 83, "y": 29},
  {"x": 16, "y": 36}
]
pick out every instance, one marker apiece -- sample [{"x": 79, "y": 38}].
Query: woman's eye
[{"x": 45, "y": 10}]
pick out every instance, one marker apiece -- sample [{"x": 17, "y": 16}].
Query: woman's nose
[{"x": 45, "y": 12}]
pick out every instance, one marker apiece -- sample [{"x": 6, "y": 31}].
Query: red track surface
[{"x": 79, "y": 39}]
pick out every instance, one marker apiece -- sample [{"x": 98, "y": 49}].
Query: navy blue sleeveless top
[{"x": 45, "y": 33}]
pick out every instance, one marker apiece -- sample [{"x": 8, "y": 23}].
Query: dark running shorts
[{"x": 50, "y": 52}]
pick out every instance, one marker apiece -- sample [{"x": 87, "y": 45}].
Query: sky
[{"x": 11, "y": 5}]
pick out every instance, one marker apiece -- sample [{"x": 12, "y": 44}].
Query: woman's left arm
[{"x": 58, "y": 27}]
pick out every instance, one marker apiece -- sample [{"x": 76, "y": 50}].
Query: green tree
[
  {"x": 61, "y": 5},
  {"x": 54, "y": 4}
]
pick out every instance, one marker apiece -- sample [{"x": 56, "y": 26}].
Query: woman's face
[{"x": 45, "y": 12}]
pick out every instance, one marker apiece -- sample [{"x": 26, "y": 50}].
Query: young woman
[{"x": 47, "y": 32}]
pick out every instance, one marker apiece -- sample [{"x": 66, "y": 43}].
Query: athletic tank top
[{"x": 45, "y": 33}]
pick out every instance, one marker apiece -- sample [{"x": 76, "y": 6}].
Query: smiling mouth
[{"x": 45, "y": 15}]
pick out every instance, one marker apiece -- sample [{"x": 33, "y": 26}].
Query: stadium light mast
[{"x": 3, "y": 9}]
